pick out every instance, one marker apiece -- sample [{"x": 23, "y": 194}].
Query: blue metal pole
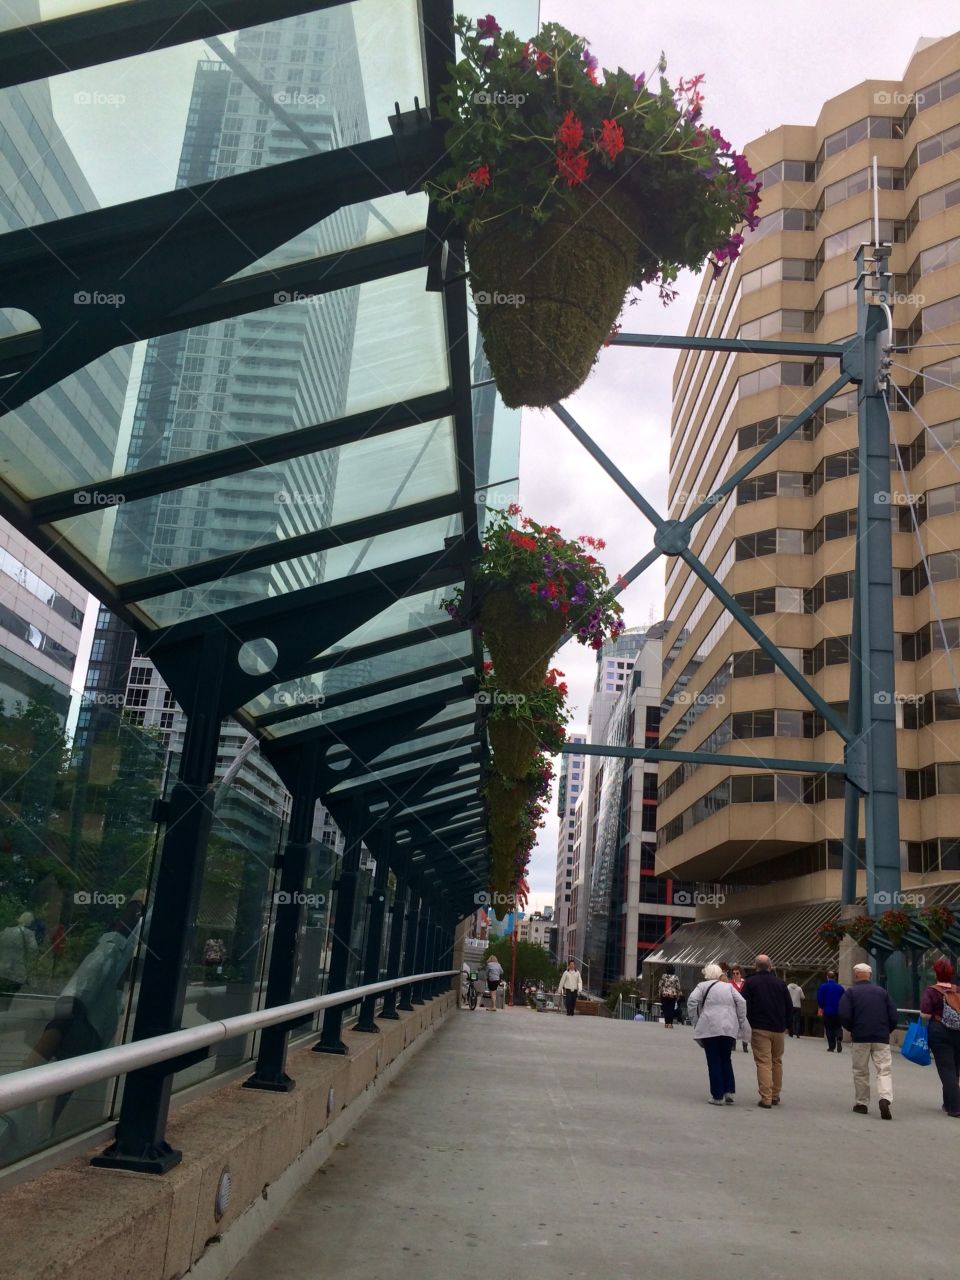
[
  {"x": 702, "y": 757},
  {"x": 874, "y": 604}
]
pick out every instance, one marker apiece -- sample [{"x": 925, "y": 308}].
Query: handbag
[{"x": 915, "y": 1047}]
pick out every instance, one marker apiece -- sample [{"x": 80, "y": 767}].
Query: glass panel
[
  {"x": 230, "y": 383},
  {"x": 371, "y": 222},
  {"x": 257, "y": 508},
  {"x": 76, "y": 846},
  {"x": 22, "y": 13},
  {"x": 244, "y": 101},
  {"x": 231, "y": 930},
  {"x": 409, "y": 614},
  {"x": 278, "y": 579},
  {"x": 312, "y": 690},
  {"x": 382, "y": 701}
]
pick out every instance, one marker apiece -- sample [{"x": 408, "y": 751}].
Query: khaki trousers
[
  {"x": 768, "y": 1055},
  {"x": 882, "y": 1059}
]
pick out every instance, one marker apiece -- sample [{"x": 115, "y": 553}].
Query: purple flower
[
  {"x": 491, "y": 54},
  {"x": 487, "y": 27},
  {"x": 640, "y": 81},
  {"x": 590, "y": 60},
  {"x": 720, "y": 140}
]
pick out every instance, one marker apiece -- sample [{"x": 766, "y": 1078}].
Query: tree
[{"x": 533, "y": 963}]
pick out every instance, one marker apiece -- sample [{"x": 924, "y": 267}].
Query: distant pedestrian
[
  {"x": 669, "y": 990},
  {"x": 736, "y": 981},
  {"x": 828, "y": 1002},
  {"x": 494, "y": 978},
  {"x": 769, "y": 1012},
  {"x": 571, "y": 985},
  {"x": 718, "y": 1014},
  {"x": 796, "y": 996},
  {"x": 18, "y": 951},
  {"x": 940, "y": 1010},
  {"x": 869, "y": 1014}
]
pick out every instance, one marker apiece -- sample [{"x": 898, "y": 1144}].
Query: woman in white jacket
[{"x": 718, "y": 1013}]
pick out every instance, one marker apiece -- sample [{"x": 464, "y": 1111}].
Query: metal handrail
[{"x": 32, "y": 1084}]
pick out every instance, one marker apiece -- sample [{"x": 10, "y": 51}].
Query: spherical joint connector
[{"x": 672, "y": 538}]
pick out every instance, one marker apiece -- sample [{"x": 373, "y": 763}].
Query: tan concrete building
[{"x": 784, "y": 541}]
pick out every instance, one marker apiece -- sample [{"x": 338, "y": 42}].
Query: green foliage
[
  {"x": 628, "y": 988},
  {"x": 533, "y": 963}
]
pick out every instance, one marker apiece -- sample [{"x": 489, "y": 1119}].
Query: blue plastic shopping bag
[{"x": 915, "y": 1047}]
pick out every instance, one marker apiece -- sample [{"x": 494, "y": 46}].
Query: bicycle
[{"x": 471, "y": 992}]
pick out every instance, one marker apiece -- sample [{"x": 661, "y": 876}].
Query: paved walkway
[{"x": 544, "y": 1147}]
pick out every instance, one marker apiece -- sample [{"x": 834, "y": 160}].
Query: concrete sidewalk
[{"x": 534, "y": 1145}]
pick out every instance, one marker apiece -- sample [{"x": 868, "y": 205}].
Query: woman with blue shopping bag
[{"x": 940, "y": 1012}]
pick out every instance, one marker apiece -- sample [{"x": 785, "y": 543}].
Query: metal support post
[
  {"x": 330, "y": 1037},
  {"x": 394, "y": 948},
  {"x": 140, "y": 1142},
  {"x": 414, "y": 923},
  {"x": 288, "y": 908},
  {"x": 873, "y": 607},
  {"x": 421, "y": 951},
  {"x": 371, "y": 959}
]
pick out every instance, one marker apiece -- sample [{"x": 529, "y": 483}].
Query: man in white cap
[{"x": 867, "y": 1012}]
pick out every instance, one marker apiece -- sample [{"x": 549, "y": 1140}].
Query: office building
[
  {"x": 625, "y": 908},
  {"x": 41, "y": 608},
  {"x": 570, "y": 779},
  {"x": 783, "y": 542}
]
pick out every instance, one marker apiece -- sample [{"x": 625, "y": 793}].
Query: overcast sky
[{"x": 767, "y": 63}]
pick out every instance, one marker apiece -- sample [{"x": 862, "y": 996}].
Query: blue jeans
[{"x": 718, "y": 1050}]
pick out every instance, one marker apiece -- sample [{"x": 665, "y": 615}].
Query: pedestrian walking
[
  {"x": 494, "y": 978},
  {"x": 571, "y": 985},
  {"x": 828, "y": 1002},
  {"x": 18, "y": 951},
  {"x": 669, "y": 991},
  {"x": 718, "y": 1014},
  {"x": 769, "y": 1013},
  {"x": 736, "y": 981},
  {"x": 796, "y": 996},
  {"x": 869, "y": 1014},
  {"x": 940, "y": 1011}
]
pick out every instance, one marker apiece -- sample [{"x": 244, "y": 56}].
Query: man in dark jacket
[
  {"x": 769, "y": 1012},
  {"x": 868, "y": 1013}
]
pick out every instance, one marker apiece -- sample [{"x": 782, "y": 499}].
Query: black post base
[
  {"x": 281, "y": 1083},
  {"x": 405, "y": 1005},
  {"x": 370, "y": 1027},
  {"x": 391, "y": 1014},
  {"x": 156, "y": 1158},
  {"x": 336, "y": 1047}
]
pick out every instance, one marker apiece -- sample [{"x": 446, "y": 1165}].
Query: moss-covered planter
[
  {"x": 520, "y": 645},
  {"x": 546, "y": 302},
  {"x": 514, "y": 746}
]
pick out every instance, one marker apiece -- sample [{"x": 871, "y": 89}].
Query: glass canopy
[{"x": 239, "y": 398}]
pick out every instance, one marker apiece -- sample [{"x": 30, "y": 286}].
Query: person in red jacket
[
  {"x": 736, "y": 981},
  {"x": 941, "y": 1015}
]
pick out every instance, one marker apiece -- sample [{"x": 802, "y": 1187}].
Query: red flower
[
  {"x": 572, "y": 166},
  {"x": 514, "y": 509},
  {"x": 570, "y": 133},
  {"x": 533, "y": 589},
  {"x": 612, "y": 334},
  {"x": 543, "y": 62},
  {"x": 611, "y": 139},
  {"x": 480, "y": 177}
]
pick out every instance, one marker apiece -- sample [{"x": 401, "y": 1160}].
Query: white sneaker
[{"x": 729, "y": 1099}]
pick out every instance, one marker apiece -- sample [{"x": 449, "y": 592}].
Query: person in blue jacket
[{"x": 829, "y": 994}]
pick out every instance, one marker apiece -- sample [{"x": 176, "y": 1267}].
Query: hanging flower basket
[
  {"x": 832, "y": 932},
  {"x": 573, "y": 185},
  {"x": 860, "y": 928},
  {"x": 936, "y": 921},
  {"x": 896, "y": 924},
  {"x": 534, "y": 585}
]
